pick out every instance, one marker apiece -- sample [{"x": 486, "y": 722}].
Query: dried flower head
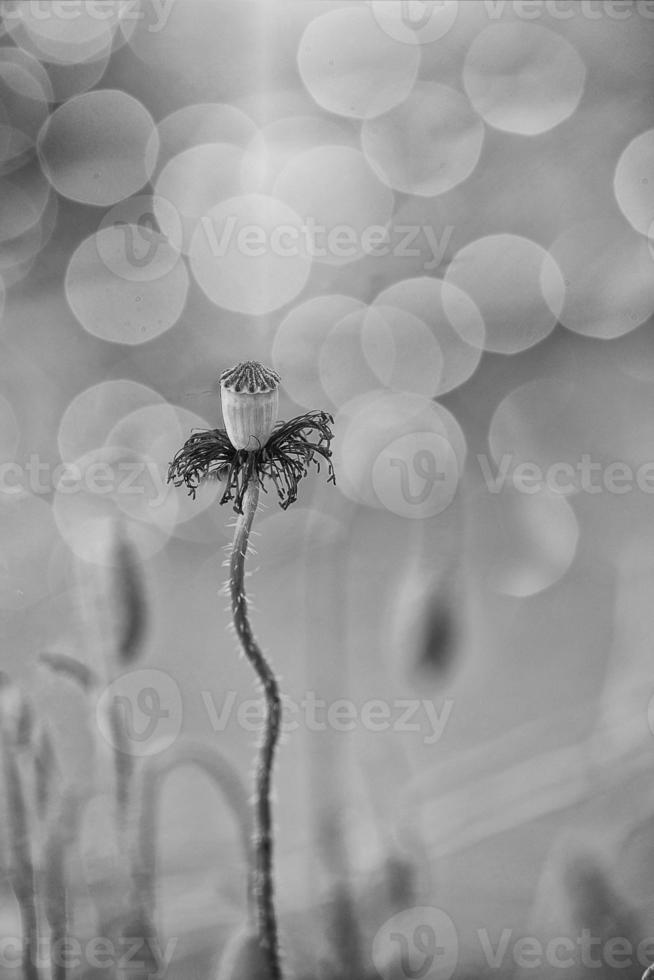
[{"x": 255, "y": 446}]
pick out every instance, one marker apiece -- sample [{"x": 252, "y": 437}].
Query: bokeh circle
[
  {"x": 523, "y": 77},
  {"x": 99, "y": 147},
  {"x": 352, "y": 67}
]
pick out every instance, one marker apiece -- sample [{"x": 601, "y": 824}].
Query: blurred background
[{"x": 435, "y": 221}]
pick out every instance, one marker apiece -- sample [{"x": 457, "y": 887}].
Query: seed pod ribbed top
[
  {"x": 250, "y": 376},
  {"x": 250, "y": 399}
]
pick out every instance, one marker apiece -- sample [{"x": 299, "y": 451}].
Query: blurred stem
[
  {"x": 61, "y": 836},
  {"x": 262, "y": 872},
  {"x": 151, "y": 778},
  {"x": 329, "y": 772},
  {"x": 22, "y": 870}
]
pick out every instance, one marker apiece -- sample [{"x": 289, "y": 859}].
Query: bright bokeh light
[
  {"x": 84, "y": 33},
  {"x": 379, "y": 346},
  {"x": 157, "y": 432},
  {"x": 250, "y": 254},
  {"x": 426, "y": 145},
  {"x": 517, "y": 286},
  {"x": 536, "y": 424},
  {"x": 578, "y": 429},
  {"x": 401, "y": 452},
  {"x": 524, "y": 543},
  {"x": 633, "y": 183},
  {"x": 124, "y": 288},
  {"x": 201, "y": 123},
  {"x": 609, "y": 286},
  {"x": 298, "y": 340},
  {"x": 276, "y": 145},
  {"x": 134, "y": 249},
  {"x": 109, "y": 484},
  {"x": 352, "y": 67},
  {"x": 339, "y": 200},
  {"x": 345, "y": 371},
  {"x": 453, "y": 318},
  {"x": 18, "y": 56},
  {"x": 93, "y": 413},
  {"x": 99, "y": 147},
  {"x": 523, "y": 78},
  {"x": 145, "y": 214},
  {"x": 401, "y": 350},
  {"x": 194, "y": 182}
]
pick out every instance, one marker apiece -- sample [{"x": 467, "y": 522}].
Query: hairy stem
[{"x": 262, "y": 872}]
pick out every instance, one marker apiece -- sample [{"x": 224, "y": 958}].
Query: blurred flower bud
[
  {"x": 250, "y": 402},
  {"x": 16, "y": 718},
  {"x": 127, "y": 596},
  {"x": 423, "y": 630}
]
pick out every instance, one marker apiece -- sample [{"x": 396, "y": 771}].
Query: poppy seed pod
[{"x": 250, "y": 402}]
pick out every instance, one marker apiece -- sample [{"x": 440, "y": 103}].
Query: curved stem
[
  {"x": 151, "y": 779},
  {"x": 262, "y": 884}
]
